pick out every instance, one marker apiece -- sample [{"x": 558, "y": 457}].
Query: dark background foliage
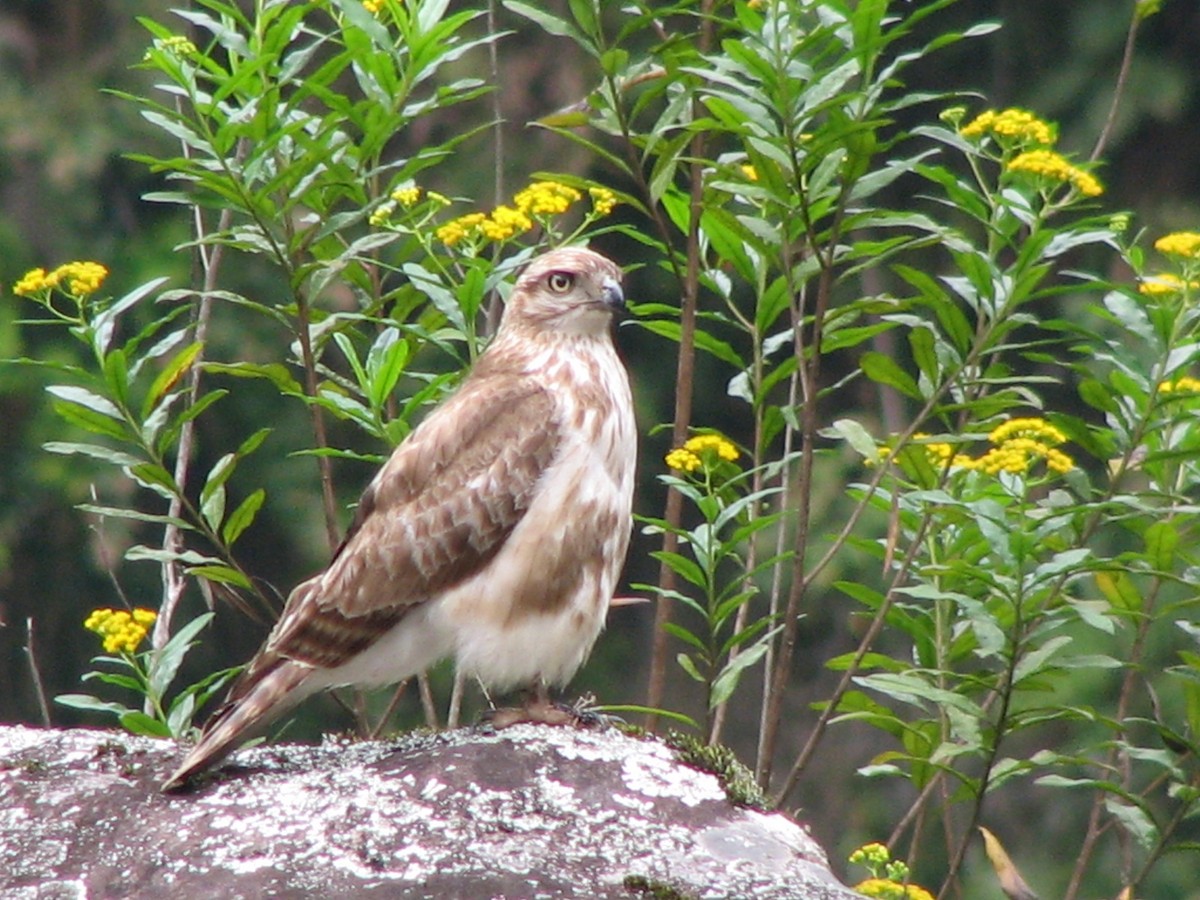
[{"x": 67, "y": 192}]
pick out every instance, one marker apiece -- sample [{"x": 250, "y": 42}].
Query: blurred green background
[{"x": 66, "y": 192}]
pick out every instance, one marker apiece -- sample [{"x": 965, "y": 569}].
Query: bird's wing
[{"x": 437, "y": 512}]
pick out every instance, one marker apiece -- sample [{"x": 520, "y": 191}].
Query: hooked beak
[{"x": 614, "y": 297}]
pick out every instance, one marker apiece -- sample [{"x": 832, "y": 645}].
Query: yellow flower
[
  {"x": 381, "y": 214},
  {"x": 604, "y": 201},
  {"x": 682, "y": 460},
  {"x": 457, "y": 229},
  {"x": 886, "y": 889},
  {"x": 1165, "y": 283},
  {"x": 440, "y": 199},
  {"x": 1179, "y": 243},
  {"x": 1027, "y": 428},
  {"x": 750, "y": 172},
  {"x": 722, "y": 446},
  {"x": 504, "y": 223},
  {"x": 32, "y": 282},
  {"x": 1184, "y": 385},
  {"x": 373, "y": 6},
  {"x": 1056, "y": 167},
  {"x": 79, "y": 278},
  {"x": 546, "y": 198},
  {"x": 1018, "y": 124},
  {"x": 407, "y": 196},
  {"x": 1020, "y": 444},
  {"x": 121, "y": 630},
  {"x": 177, "y": 45},
  {"x": 870, "y": 855}
]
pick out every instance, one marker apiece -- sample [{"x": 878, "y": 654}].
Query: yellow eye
[{"x": 560, "y": 282}]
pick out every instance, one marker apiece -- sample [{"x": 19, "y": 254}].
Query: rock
[{"x": 532, "y": 811}]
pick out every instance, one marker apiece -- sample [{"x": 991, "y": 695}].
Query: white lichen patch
[{"x": 530, "y": 811}]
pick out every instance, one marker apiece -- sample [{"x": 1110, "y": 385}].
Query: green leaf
[
  {"x": 913, "y": 689},
  {"x": 241, "y": 518},
  {"x": 96, "y": 451},
  {"x": 549, "y": 22},
  {"x": 1135, "y": 820},
  {"x": 165, "y": 663},
  {"x": 686, "y": 663},
  {"x": 276, "y": 373},
  {"x": 154, "y": 477},
  {"x": 1118, "y": 589},
  {"x": 1161, "y": 540},
  {"x": 683, "y": 566},
  {"x": 167, "y": 379},
  {"x": 88, "y": 410},
  {"x": 705, "y": 341},
  {"x": 220, "y": 573},
  {"x": 731, "y": 674},
  {"x": 922, "y": 342},
  {"x": 91, "y": 704},
  {"x": 179, "y": 718},
  {"x": 117, "y": 512},
  {"x": 137, "y": 722},
  {"x": 856, "y": 436},
  {"x": 684, "y": 635},
  {"x": 1036, "y": 661},
  {"x": 883, "y": 369},
  {"x": 385, "y": 363},
  {"x": 650, "y": 710}
]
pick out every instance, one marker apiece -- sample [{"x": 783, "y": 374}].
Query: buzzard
[{"x": 495, "y": 533}]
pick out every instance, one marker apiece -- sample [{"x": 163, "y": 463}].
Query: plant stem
[{"x": 684, "y": 387}]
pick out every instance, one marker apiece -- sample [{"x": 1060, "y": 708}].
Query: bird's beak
[{"x": 614, "y": 297}]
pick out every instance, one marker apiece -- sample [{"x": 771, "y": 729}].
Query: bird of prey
[{"x": 495, "y": 533}]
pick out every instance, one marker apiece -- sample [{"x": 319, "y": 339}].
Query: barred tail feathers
[{"x": 253, "y": 705}]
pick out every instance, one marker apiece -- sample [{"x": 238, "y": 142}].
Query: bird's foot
[{"x": 538, "y": 709}]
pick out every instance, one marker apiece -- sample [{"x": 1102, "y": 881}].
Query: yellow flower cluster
[
  {"x": 456, "y": 230},
  {"x": 871, "y": 855},
  {"x": 1179, "y": 243},
  {"x": 373, "y": 6},
  {"x": 75, "y": 278},
  {"x": 1019, "y": 124},
  {"x": 750, "y": 172},
  {"x": 402, "y": 196},
  {"x": 1021, "y": 443},
  {"x": 1166, "y": 283},
  {"x": 177, "y": 45},
  {"x": 1184, "y": 385},
  {"x": 544, "y": 198},
  {"x": 604, "y": 201},
  {"x": 1056, "y": 167},
  {"x": 504, "y": 222},
  {"x": 540, "y": 199},
  {"x": 407, "y": 196},
  {"x": 888, "y": 876},
  {"x": 121, "y": 629},
  {"x": 887, "y": 889},
  {"x": 1022, "y": 127},
  {"x": 698, "y": 450}
]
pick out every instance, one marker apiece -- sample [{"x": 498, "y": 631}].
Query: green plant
[
  {"x": 830, "y": 237},
  {"x": 899, "y": 296},
  {"x": 149, "y": 674}
]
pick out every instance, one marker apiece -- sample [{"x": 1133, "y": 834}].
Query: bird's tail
[{"x": 264, "y": 692}]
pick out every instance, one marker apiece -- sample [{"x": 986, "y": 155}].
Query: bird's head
[{"x": 569, "y": 291}]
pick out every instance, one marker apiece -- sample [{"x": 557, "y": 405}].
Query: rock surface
[{"x": 531, "y": 811}]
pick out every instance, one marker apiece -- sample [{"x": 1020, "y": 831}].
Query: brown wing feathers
[{"x": 437, "y": 513}]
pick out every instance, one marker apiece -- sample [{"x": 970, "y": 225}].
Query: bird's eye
[{"x": 560, "y": 282}]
